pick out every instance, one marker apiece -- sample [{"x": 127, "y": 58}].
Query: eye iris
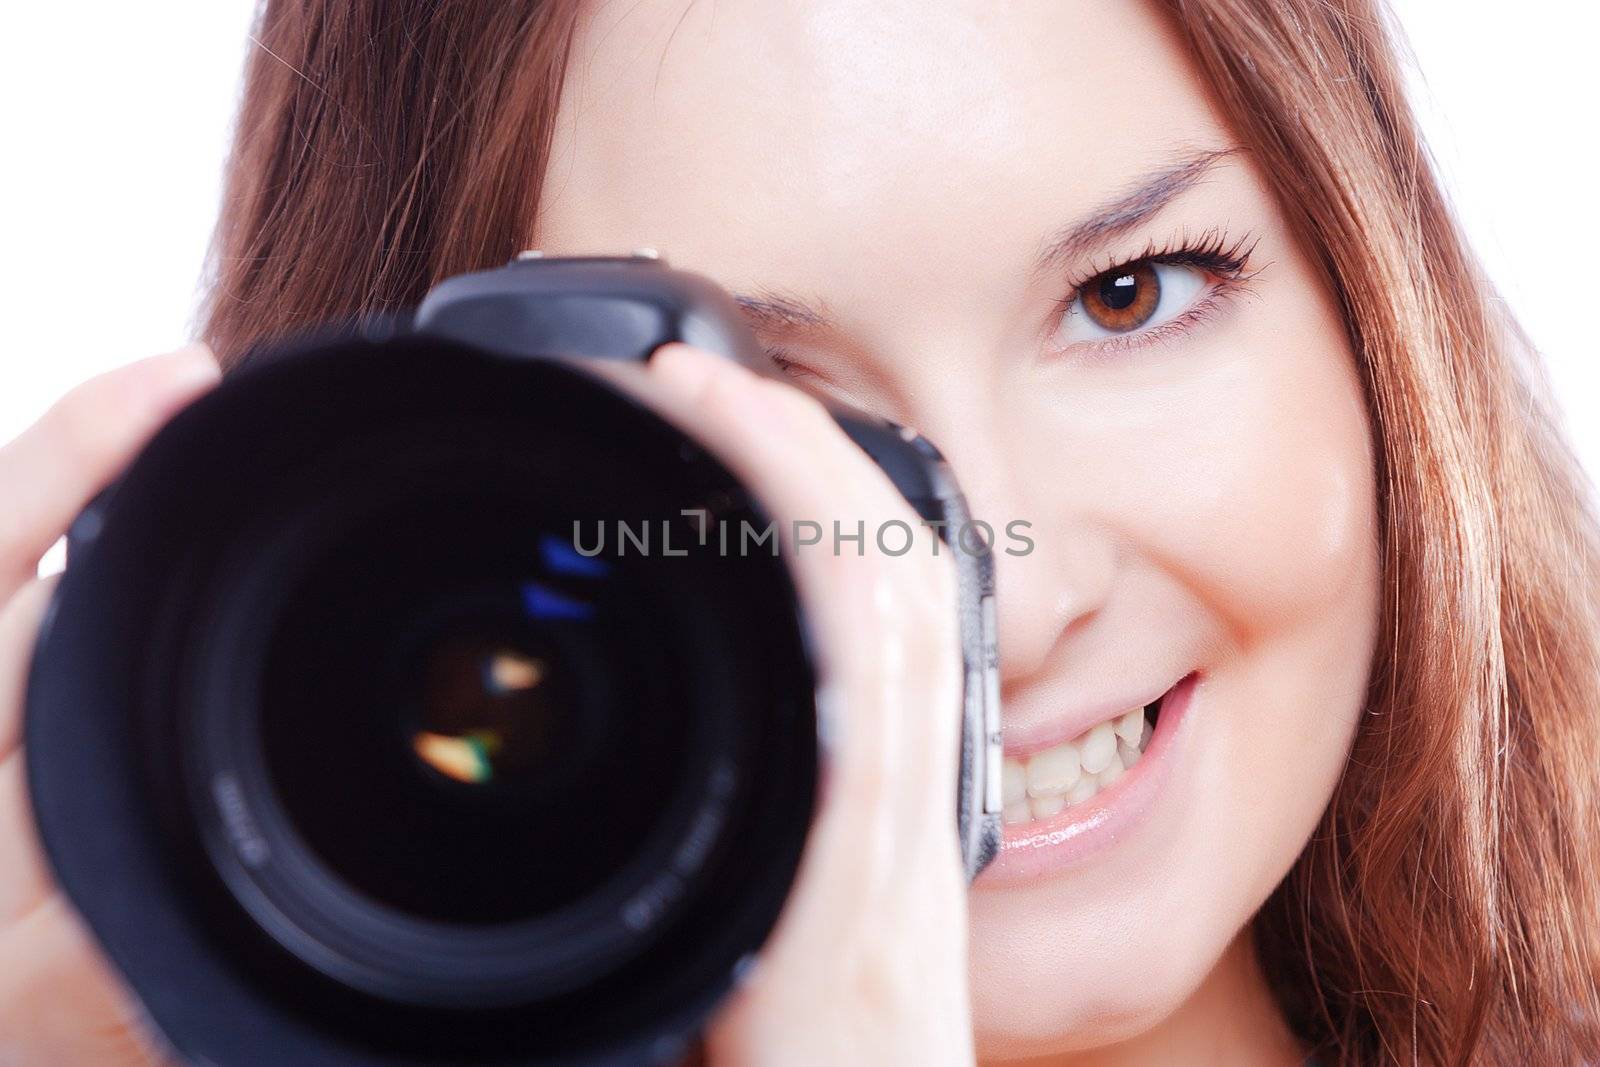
[{"x": 1123, "y": 299}]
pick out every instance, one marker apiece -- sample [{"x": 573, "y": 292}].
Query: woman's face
[{"x": 927, "y": 197}]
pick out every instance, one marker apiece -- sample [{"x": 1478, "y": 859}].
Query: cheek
[
  {"x": 1239, "y": 466},
  {"x": 1235, "y": 474},
  {"x": 1270, "y": 495},
  {"x": 1268, "y": 532}
]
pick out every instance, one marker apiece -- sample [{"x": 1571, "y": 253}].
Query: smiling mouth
[{"x": 1047, "y": 782}]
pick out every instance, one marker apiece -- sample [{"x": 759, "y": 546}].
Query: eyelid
[
  {"x": 788, "y": 364},
  {"x": 801, "y": 375},
  {"x": 1192, "y": 316},
  {"x": 1213, "y": 251},
  {"x": 1226, "y": 261}
]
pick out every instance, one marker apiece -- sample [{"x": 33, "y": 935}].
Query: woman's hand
[
  {"x": 868, "y": 964},
  {"x": 60, "y": 1004}
]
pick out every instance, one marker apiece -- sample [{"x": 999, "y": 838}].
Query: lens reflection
[{"x": 490, "y": 711}]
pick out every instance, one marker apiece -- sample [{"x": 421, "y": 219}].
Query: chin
[
  {"x": 1099, "y": 978},
  {"x": 1114, "y": 914}
]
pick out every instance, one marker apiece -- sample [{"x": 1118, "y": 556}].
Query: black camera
[{"x": 351, "y": 750}]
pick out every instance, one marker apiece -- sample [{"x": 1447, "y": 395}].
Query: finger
[
  {"x": 60, "y": 1002},
  {"x": 24, "y": 874},
  {"x": 57, "y": 465},
  {"x": 887, "y": 623},
  {"x": 788, "y": 449},
  {"x": 19, "y": 630},
  {"x": 873, "y": 934}
]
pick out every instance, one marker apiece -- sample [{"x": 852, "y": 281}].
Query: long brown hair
[{"x": 1445, "y": 912}]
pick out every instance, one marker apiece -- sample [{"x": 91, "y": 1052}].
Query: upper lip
[{"x": 1038, "y": 717}]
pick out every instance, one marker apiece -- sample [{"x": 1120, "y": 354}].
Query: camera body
[{"x": 347, "y": 753}]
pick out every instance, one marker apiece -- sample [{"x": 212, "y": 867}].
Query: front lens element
[{"x": 492, "y": 709}]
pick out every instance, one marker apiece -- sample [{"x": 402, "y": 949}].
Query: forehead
[{"x": 847, "y": 147}]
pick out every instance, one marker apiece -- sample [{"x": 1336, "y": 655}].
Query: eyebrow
[
  {"x": 774, "y": 311},
  {"x": 768, "y": 309},
  {"x": 1152, "y": 193}
]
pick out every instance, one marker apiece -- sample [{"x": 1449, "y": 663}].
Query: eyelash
[
  {"x": 1226, "y": 259},
  {"x": 787, "y": 363}
]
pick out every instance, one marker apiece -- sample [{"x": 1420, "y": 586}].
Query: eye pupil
[
  {"x": 1123, "y": 299},
  {"x": 1118, "y": 291}
]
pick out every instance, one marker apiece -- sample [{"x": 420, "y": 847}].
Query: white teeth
[
  {"x": 1053, "y": 771},
  {"x": 1044, "y": 807},
  {"x": 1055, "y": 778},
  {"x": 1087, "y": 787},
  {"x": 1112, "y": 772},
  {"x": 1013, "y": 783},
  {"x": 1099, "y": 748}
]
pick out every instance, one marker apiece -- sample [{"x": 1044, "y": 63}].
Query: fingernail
[
  {"x": 191, "y": 366},
  {"x": 167, "y": 382},
  {"x": 184, "y": 372}
]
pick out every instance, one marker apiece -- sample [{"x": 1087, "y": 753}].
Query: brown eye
[
  {"x": 1122, "y": 299},
  {"x": 1130, "y": 301}
]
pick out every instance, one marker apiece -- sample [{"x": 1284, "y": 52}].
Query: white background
[{"x": 116, "y": 118}]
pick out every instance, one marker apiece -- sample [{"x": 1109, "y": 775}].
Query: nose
[
  {"x": 1055, "y": 562},
  {"x": 1051, "y": 576}
]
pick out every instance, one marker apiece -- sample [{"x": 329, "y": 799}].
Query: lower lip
[{"x": 1043, "y": 847}]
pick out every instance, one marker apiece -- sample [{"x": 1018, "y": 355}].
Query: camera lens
[{"x": 437, "y": 779}]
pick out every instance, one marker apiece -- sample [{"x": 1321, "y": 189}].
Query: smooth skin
[{"x": 1201, "y": 495}]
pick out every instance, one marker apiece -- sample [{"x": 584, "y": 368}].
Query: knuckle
[
  {"x": 865, "y": 783},
  {"x": 909, "y": 605},
  {"x": 880, "y": 983},
  {"x": 929, "y": 596},
  {"x": 937, "y": 585},
  {"x": 13, "y": 535},
  {"x": 721, "y": 391}
]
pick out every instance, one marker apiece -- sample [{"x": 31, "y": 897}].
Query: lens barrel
[{"x": 358, "y": 710}]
